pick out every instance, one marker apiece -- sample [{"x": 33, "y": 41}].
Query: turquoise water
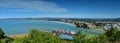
[
  {"x": 12, "y": 27},
  {"x": 66, "y": 37},
  {"x": 91, "y": 32}
]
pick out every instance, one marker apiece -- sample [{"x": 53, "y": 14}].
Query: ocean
[{"x": 13, "y": 27}]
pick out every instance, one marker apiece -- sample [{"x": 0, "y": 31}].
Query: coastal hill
[{"x": 58, "y": 19}]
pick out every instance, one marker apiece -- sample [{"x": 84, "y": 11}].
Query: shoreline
[
  {"x": 47, "y": 21},
  {"x": 18, "y": 36},
  {"x": 64, "y": 23}
]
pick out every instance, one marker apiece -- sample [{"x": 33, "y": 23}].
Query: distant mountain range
[{"x": 57, "y": 19}]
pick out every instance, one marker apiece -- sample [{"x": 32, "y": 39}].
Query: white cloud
[{"x": 43, "y": 6}]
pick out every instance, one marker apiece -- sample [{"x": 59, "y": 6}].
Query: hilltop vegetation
[{"x": 36, "y": 36}]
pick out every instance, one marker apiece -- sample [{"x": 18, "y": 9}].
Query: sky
[{"x": 60, "y": 8}]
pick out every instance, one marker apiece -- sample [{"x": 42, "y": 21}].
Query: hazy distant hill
[{"x": 57, "y": 19}]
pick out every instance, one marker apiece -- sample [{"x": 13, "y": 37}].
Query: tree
[
  {"x": 113, "y": 35},
  {"x": 37, "y": 36},
  {"x": 77, "y": 24},
  {"x": 2, "y": 34},
  {"x": 79, "y": 38},
  {"x": 6, "y": 40}
]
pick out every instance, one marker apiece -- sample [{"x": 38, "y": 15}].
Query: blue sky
[{"x": 60, "y": 8}]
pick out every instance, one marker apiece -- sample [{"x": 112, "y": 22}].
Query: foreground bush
[
  {"x": 36, "y": 36},
  {"x": 110, "y": 36}
]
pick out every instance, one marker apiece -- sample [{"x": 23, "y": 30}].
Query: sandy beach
[
  {"x": 18, "y": 36},
  {"x": 64, "y": 23}
]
